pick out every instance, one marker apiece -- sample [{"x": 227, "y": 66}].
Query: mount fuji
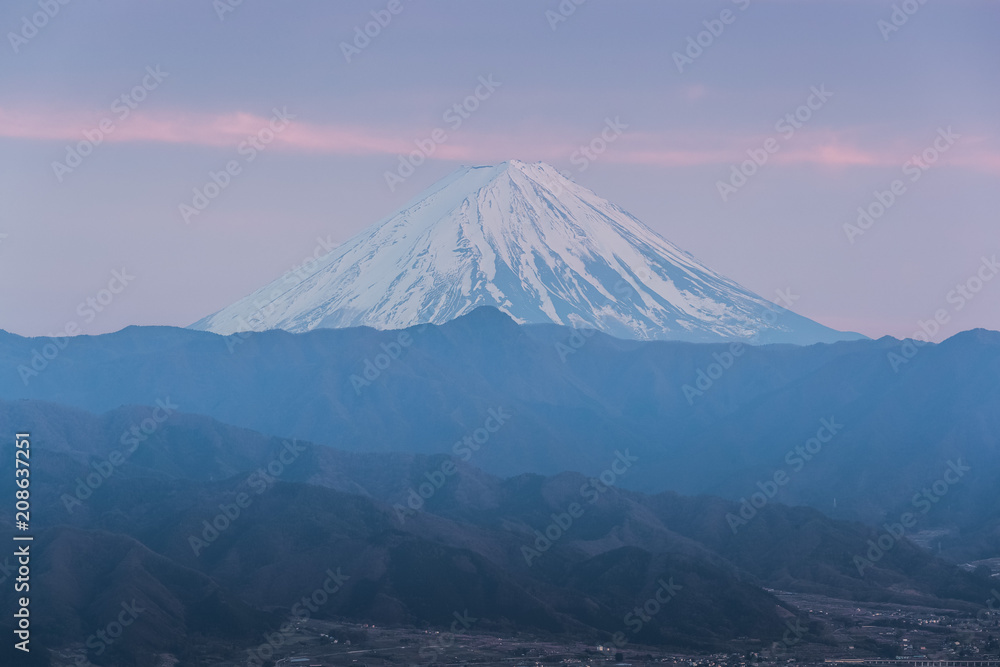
[{"x": 530, "y": 242}]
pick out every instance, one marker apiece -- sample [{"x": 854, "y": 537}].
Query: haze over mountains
[
  {"x": 574, "y": 400},
  {"x": 527, "y": 240},
  {"x": 491, "y": 401},
  {"x": 528, "y": 474},
  {"x": 143, "y": 529}
]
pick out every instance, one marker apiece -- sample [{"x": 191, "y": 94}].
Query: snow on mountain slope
[{"x": 530, "y": 242}]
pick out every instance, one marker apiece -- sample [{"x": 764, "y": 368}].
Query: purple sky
[{"x": 196, "y": 86}]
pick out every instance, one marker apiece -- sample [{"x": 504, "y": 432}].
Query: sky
[{"x": 748, "y": 132}]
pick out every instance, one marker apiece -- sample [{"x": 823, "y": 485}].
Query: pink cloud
[
  {"x": 822, "y": 148},
  {"x": 222, "y": 130},
  {"x": 694, "y": 92}
]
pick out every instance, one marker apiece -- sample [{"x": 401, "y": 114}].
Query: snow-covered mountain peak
[{"x": 527, "y": 240}]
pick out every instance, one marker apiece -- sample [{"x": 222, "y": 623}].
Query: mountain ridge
[
  {"x": 576, "y": 399},
  {"x": 463, "y": 549}
]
